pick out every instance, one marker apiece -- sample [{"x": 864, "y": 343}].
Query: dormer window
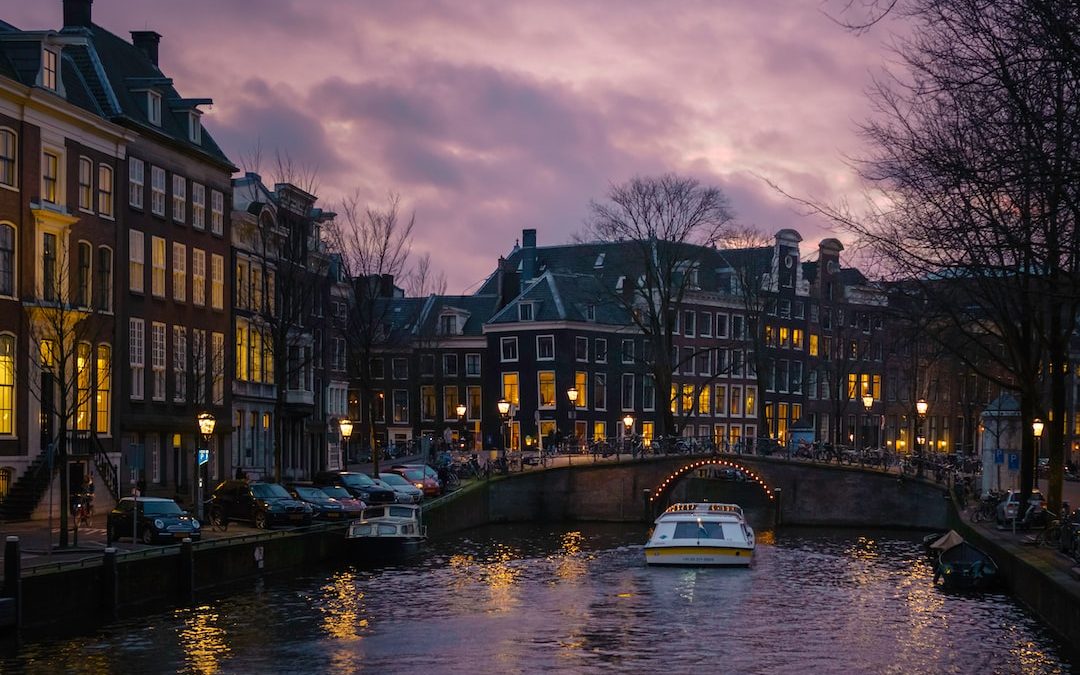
[
  {"x": 448, "y": 324},
  {"x": 153, "y": 108},
  {"x": 194, "y": 128},
  {"x": 49, "y": 64},
  {"x": 525, "y": 311},
  {"x": 599, "y": 260},
  {"x": 590, "y": 312}
]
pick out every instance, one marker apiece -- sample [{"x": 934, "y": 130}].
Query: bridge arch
[{"x": 677, "y": 474}]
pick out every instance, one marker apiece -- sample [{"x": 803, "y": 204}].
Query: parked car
[
  {"x": 1009, "y": 507},
  {"x": 323, "y": 505},
  {"x": 262, "y": 504},
  {"x": 354, "y": 507},
  {"x": 158, "y": 520},
  {"x": 420, "y": 475},
  {"x": 360, "y": 485},
  {"x": 406, "y": 492}
]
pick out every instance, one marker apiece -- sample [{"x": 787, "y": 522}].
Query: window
[
  {"x": 242, "y": 284},
  {"x": 48, "y": 69},
  {"x": 198, "y": 206},
  {"x": 427, "y": 403},
  {"x": 704, "y": 406},
  {"x": 545, "y": 347},
  {"x": 450, "y": 402},
  {"x": 136, "y": 182},
  {"x": 400, "y": 366},
  {"x": 194, "y": 128},
  {"x": 509, "y": 348},
  {"x": 401, "y": 406},
  {"x": 721, "y": 325},
  {"x": 153, "y": 108},
  {"x": 243, "y": 349},
  {"x": 7, "y": 384},
  {"x": 217, "y": 281},
  {"x": 50, "y": 286},
  {"x": 50, "y": 177},
  {"x": 628, "y": 391},
  {"x": 7, "y": 158},
  {"x": 648, "y": 393},
  {"x": 704, "y": 362},
  {"x": 136, "y": 345},
  {"x": 581, "y": 384},
  {"x": 627, "y": 351},
  {"x": 179, "y": 198},
  {"x": 179, "y": 364},
  {"x": 7, "y": 260},
  {"x": 735, "y": 402},
  {"x": 689, "y": 323},
  {"x": 217, "y": 212},
  {"x": 86, "y": 184},
  {"x": 136, "y": 266},
  {"x": 427, "y": 365},
  {"x": 103, "y": 394},
  {"x": 448, "y": 324},
  {"x": 472, "y": 365},
  {"x": 82, "y": 290},
  {"x": 157, "y": 191},
  {"x": 179, "y": 272},
  {"x": 720, "y": 400},
  {"x": 545, "y": 383},
  {"x": 449, "y": 364},
  {"x": 198, "y": 277},
  {"x": 475, "y": 402},
  {"x": 705, "y": 327},
  {"x": 600, "y": 391},
  {"x": 157, "y": 359},
  {"x": 217, "y": 367},
  {"x": 376, "y": 367},
  {"x": 581, "y": 349},
  {"x": 105, "y": 191},
  {"x": 525, "y": 311},
  {"x": 157, "y": 271},
  {"x": 510, "y": 388},
  {"x": 813, "y": 344},
  {"x": 83, "y": 378},
  {"x": 601, "y": 350},
  {"x": 198, "y": 364},
  {"x": 737, "y": 327}
]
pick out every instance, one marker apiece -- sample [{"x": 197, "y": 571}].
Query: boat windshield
[{"x": 706, "y": 530}]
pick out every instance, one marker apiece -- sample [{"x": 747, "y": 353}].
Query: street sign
[
  {"x": 204, "y": 456},
  {"x": 1014, "y": 461},
  {"x": 999, "y": 456}
]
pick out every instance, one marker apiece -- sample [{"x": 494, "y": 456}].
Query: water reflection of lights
[
  {"x": 570, "y": 563},
  {"x": 201, "y": 638},
  {"x": 341, "y": 606}
]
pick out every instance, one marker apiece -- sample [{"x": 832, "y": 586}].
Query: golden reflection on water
[
  {"x": 203, "y": 641},
  {"x": 341, "y": 606},
  {"x": 571, "y": 564}
]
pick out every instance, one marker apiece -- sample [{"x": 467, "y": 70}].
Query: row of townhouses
[{"x": 142, "y": 284}]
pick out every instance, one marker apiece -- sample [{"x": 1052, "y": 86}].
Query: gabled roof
[
  {"x": 564, "y": 297},
  {"x": 478, "y": 308}
]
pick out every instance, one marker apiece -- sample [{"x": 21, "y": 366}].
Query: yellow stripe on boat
[{"x": 697, "y": 550}]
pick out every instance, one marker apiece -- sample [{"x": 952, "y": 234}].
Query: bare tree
[
  {"x": 423, "y": 280},
  {"x": 667, "y": 227},
  {"x": 374, "y": 244},
  {"x": 977, "y": 202}
]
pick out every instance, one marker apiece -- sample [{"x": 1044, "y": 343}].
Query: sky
[{"x": 488, "y": 116}]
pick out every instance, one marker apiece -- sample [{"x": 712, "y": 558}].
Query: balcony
[{"x": 299, "y": 397}]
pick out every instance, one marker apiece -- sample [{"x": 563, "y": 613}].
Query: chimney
[
  {"x": 146, "y": 41},
  {"x": 528, "y": 255},
  {"x": 506, "y": 282},
  {"x": 77, "y": 13}
]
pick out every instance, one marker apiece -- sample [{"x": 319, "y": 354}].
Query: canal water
[{"x": 579, "y": 599}]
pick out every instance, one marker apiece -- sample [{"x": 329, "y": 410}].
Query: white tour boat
[
  {"x": 387, "y": 530},
  {"x": 701, "y": 534}
]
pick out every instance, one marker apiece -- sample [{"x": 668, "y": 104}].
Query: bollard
[
  {"x": 778, "y": 518},
  {"x": 647, "y": 507},
  {"x": 187, "y": 571},
  {"x": 13, "y": 576},
  {"x": 110, "y": 587}
]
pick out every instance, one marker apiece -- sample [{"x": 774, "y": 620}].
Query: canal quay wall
[{"x": 1038, "y": 577}]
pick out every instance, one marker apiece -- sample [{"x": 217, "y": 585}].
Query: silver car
[{"x": 404, "y": 491}]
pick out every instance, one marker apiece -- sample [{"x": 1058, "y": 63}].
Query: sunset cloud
[{"x": 488, "y": 117}]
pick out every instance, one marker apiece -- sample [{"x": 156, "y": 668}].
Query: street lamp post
[
  {"x": 868, "y": 403},
  {"x": 461, "y": 410},
  {"x": 920, "y": 407},
  {"x": 206, "y": 429},
  {"x": 345, "y": 426},
  {"x": 572, "y": 395},
  {"x": 504, "y": 418},
  {"x": 1037, "y": 427},
  {"x": 628, "y": 423}
]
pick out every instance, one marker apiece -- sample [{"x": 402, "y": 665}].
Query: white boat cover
[{"x": 951, "y": 538}]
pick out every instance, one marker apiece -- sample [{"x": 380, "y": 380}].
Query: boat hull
[{"x": 718, "y": 556}]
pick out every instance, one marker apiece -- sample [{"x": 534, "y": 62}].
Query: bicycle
[
  {"x": 218, "y": 521},
  {"x": 1050, "y": 535}
]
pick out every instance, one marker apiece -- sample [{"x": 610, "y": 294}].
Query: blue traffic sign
[
  {"x": 999, "y": 456},
  {"x": 1014, "y": 461},
  {"x": 204, "y": 456}
]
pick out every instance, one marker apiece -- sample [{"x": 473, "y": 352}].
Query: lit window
[
  {"x": 217, "y": 281},
  {"x": 157, "y": 271},
  {"x": 7, "y": 384},
  {"x": 198, "y": 206},
  {"x": 179, "y": 272},
  {"x": 103, "y": 395},
  {"x": 48, "y": 69},
  {"x": 83, "y": 378},
  {"x": 137, "y": 260},
  {"x": 50, "y": 177},
  {"x": 198, "y": 277}
]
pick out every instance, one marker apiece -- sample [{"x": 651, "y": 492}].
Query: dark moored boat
[
  {"x": 386, "y": 531},
  {"x": 962, "y": 567}
]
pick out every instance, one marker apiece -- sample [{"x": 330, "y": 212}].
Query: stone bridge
[{"x": 790, "y": 492}]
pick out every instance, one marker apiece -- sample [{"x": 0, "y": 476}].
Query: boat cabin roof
[
  {"x": 408, "y": 511},
  {"x": 698, "y": 510}
]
